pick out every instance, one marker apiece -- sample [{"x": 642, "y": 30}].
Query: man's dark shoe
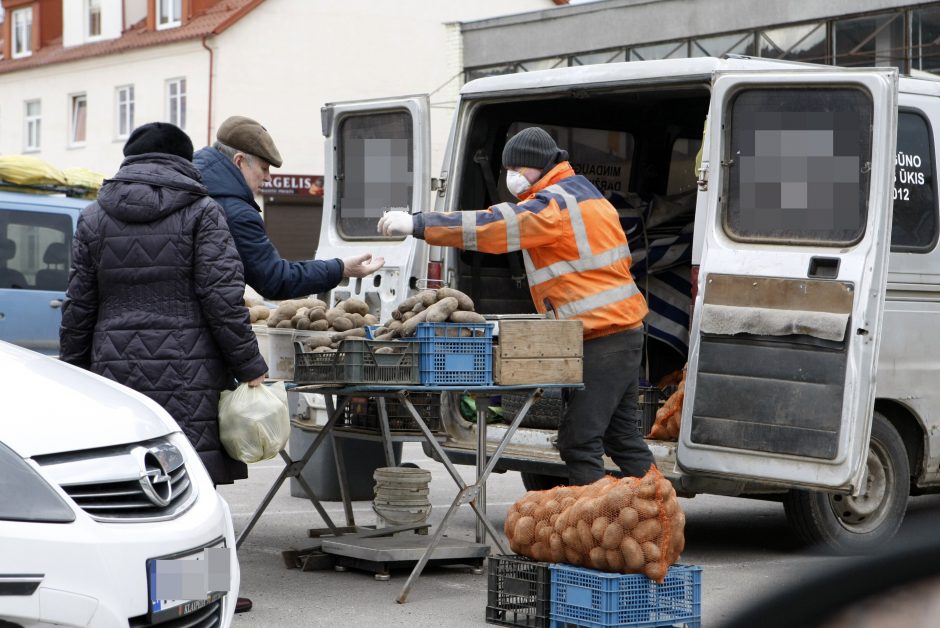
[{"x": 242, "y": 605}]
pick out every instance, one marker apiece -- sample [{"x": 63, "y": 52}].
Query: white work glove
[
  {"x": 361, "y": 265},
  {"x": 396, "y": 223}
]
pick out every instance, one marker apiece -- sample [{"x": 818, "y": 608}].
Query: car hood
[{"x": 50, "y": 406}]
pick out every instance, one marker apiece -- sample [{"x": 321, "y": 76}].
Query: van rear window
[
  {"x": 914, "y": 223},
  {"x": 377, "y": 170},
  {"x": 798, "y": 165}
]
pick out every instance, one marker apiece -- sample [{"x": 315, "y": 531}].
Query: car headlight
[{"x": 26, "y": 496}]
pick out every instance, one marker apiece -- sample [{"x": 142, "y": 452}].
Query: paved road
[{"x": 743, "y": 545}]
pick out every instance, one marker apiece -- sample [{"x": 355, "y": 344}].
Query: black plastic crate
[
  {"x": 650, "y": 401},
  {"x": 519, "y": 592},
  {"x": 363, "y": 413},
  {"x": 359, "y": 361}
]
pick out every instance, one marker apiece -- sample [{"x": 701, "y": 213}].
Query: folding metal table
[{"x": 472, "y": 494}]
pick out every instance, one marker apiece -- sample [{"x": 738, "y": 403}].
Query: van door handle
[
  {"x": 823, "y": 267},
  {"x": 55, "y": 304}
]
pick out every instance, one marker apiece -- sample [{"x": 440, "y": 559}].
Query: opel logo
[{"x": 156, "y": 463}]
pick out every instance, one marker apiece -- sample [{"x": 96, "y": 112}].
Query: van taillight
[
  {"x": 693, "y": 277},
  {"x": 434, "y": 274}
]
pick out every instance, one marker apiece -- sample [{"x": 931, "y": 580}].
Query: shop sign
[{"x": 293, "y": 185}]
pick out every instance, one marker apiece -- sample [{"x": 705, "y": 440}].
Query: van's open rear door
[
  {"x": 786, "y": 325},
  {"x": 377, "y": 157}
]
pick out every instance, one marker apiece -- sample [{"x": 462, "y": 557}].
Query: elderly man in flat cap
[{"x": 233, "y": 170}]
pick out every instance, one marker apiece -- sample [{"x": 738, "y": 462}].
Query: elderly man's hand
[
  {"x": 361, "y": 265},
  {"x": 396, "y": 223}
]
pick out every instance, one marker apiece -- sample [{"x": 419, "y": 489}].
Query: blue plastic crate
[
  {"x": 584, "y": 597},
  {"x": 456, "y": 354}
]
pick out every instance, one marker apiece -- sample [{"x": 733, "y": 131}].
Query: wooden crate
[{"x": 538, "y": 352}]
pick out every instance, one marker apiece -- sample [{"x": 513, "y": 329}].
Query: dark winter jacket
[
  {"x": 155, "y": 299},
  {"x": 272, "y": 276}
]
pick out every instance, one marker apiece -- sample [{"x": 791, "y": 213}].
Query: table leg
[
  {"x": 403, "y": 596},
  {"x": 480, "y": 501},
  {"x": 293, "y": 468},
  {"x": 386, "y": 432},
  {"x": 344, "y": 492}
]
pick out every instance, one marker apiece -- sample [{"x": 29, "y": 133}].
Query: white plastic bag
[{"x": 253, "y": 421}]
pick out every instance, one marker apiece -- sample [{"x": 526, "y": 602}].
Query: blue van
[{"x": 35, "y": 252}]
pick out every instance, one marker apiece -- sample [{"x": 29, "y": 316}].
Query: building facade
[
  {"x": 78, "y": 75},
  {"x": 901, "y": 33}
]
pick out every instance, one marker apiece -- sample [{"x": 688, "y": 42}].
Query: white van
[{"x": 782, "y": 247}]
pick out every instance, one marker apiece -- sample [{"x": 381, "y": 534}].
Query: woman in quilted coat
[{"x": 156, "y": 289}]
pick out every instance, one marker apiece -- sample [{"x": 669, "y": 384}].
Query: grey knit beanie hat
[{"x": 534, "y": 148}]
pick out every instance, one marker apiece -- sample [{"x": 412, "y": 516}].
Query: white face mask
[{"x": 517, "y": 183}]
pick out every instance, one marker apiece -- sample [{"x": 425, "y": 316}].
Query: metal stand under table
[{"x": 472, "y": 494}]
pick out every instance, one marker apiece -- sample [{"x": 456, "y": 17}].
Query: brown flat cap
[{"x": 248, "y": 136}]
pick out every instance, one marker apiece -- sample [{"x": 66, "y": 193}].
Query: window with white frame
[
  {"x": 93, "y": 13},
  {"x": 176, "y": 102},
  {"x": 33, "y": 124},
  {"x": 125, "y": 111},
  {"x": 22, "y": 29},
  {"x": 78, "y": 119},
  {"x": 169, "y": 13}
]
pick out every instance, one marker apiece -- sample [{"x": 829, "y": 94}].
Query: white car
[{"x": 97, "y": 483}]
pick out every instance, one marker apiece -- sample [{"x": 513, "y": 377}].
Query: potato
[
  {"x": 358, "y": 320},
  {"x": 614, "y": 559},
  {"x": 628, "y": 518},
  {"x": 303, "y": 324},
  {"x": 655, "y": 572},
  {"x": 651, "y": 551},
  {"x": 410, "y": 325},
  {"x": 355, "y": 306},
  {"x": 567, "y": 502},
  {"x": 316, "y": 341},
  {"x": 392, "y": 335},
  {"x": 543, "y": 531},
  {"x": 647, "y": 530},
  {"x": 316, "y": 314},
  {"x": 428, "y": 297},
  {"x": 633, "y": 558},
  {"x": 645, "y": 508},
  {"x": 286, "y": 310},
  {"x": 394, "y": 325},
  {"x": 598, "y": 527},
  {"x": 557, "y": 548},
  {"x": 670, "y": 507},
  {"x": 324, "y": 350},
  {"x": 258, "y": 313},
  {"x": 419, "y": 307},
  {"x": 540, "y": 551},
  {"x": 613, "y": 535},
  {"x": 396, "y": 315},
  {"x": 562, "y": 522},
  {"x": 284, "y": 325},
  {"x": 358, "y": 332},
  {"x": 646, "y": 491},
  {"x": 341, "y": 323},
  {"x": 618, "y": 497},
  {"x": 370, "y": 319},
  {"x": 440, "y": 311},
  {"x": 333, "y": 313},
  {"x": 313, "y": 303},
  {"x": 464, "y": 302},
  {"x": 319, "y": 325},
  {"x": 585, "y": 536},
  {"x": 385, "y": 350},
  {"x": 572, "y": 556},
  {"x": 509, "y": 527},
  {"x": 461, "y": 316},
  {"x": 553, "y": 507},
  {"x": 570, "y": 538},
  {"x": 407, "y": 316},
  {"x": 598, "y": 559},
  {"x": 527, "y": 508},
  {"x": 525, "y": 530}
]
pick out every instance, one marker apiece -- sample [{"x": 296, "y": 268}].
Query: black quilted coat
[{"x": 155, "y": 298}]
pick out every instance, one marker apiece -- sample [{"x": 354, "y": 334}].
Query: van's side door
[
  {"x": 786, "y": 323},
  {"x": 377, "y": 158},
  {"x": 35, "y": 250}
]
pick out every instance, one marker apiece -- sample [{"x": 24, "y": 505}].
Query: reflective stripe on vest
[
  {"x": 552, "y": 271},
  {"x": 595, "y": 301},
  {"x": 513, "y": 239},
  {"x": 469, "y": 228},
  {"x": 576, "y": 218}
]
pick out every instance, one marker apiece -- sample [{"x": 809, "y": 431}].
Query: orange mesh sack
[
  {"x": 631, "y": 525},
  {"x": 669, "y": 416}
]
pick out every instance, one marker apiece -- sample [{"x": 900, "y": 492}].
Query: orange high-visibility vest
[{"x": 576, "y": 254}]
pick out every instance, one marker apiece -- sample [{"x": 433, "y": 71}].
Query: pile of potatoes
[
  {"x": 668, "y": 418},
  {"x": 444, "y": 305},
  {"x": 347, "y": 319},
  {"x": 631, "y": 525}
]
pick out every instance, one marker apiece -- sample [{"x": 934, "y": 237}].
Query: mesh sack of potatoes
[
  {"x": 630, "y": 525},
  {"x": 669, "y": 416}
]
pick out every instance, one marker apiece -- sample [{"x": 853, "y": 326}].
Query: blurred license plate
[{"x": 182, "y": 584}]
